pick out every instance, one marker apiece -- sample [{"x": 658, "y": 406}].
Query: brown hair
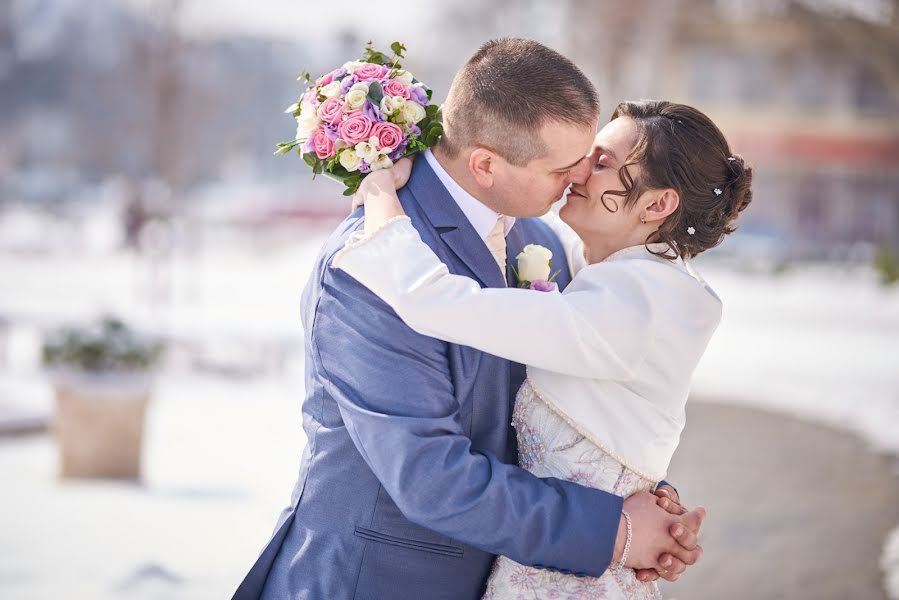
[
  {"x": 679, "y": 147},
  {"x": 507, "y": 92}
]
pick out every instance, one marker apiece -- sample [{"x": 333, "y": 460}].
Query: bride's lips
[{"x": 572, "y": 192}]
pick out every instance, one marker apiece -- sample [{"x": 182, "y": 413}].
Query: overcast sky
[{"x": 289, "y": 19}]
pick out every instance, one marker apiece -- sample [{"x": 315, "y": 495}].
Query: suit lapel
[{"x": 454, "y": 228}]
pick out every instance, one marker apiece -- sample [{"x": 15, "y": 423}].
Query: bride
[{"x": 610, "y": 357}]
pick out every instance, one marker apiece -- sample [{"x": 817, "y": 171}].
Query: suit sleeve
[
  {"x": 395, "y": 395},
  {"x": 602, "y": 330}
]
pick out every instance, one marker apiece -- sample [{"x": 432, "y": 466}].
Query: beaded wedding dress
[{"x": 548, "y": 446}]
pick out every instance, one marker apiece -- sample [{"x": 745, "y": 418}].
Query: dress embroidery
[{"x": 548, "y": 446}]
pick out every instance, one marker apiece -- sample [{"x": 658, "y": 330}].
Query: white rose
[
  {"x": 381, "y": 162},
  {"x": 367, "y": 150},
  {"x": 391, "y": 103},
  {"x": 331, "y": 90},
  {"x": 403, "y": 76},
  {"x": 351, "y": 66},
  {"x": 360, "y": 86},
  {"x": 412, "y": 112},
  {"x": 349, "y": 160},
  {"x": 355, "y": 99},
  {"x": 534, "y": 263},
  {"x": 307, "y": 123}
]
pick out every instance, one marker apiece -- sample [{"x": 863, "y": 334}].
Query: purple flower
[
  {"x": 398, "y": 153},
  {"x": 346, "y": 84},
  {"x": 543, "y": 286},
  {"x": 414, "y": 130},
  {"x": 364, "y": 167},
  {"x": 331, "y": 132},
  {"x": 419, "y": 95},
  {"x": 371, "y": 111}
]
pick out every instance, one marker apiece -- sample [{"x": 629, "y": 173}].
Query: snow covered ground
[
  {"x": 222, "y": 450},
  {"x": 820, "y": 344}
]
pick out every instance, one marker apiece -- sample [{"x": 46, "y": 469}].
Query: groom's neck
[{"x": 457, "y": 169}]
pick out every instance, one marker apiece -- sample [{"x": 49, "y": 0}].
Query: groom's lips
[{"x": 574, "y": 193}]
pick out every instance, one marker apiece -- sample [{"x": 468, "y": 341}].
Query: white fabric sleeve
[{"x": 601, "y": 329}]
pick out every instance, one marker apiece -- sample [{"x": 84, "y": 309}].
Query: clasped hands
[{"x": 664, "y": 535}]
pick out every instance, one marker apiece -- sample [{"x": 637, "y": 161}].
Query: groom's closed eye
[{"x": 564, "y": 170}]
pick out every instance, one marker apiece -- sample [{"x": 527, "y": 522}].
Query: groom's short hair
[{"x": 505, "y": 94}]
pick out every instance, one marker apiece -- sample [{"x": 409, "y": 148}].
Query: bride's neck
[
  {"x": 596, "y": 253},
  {"x": 597, "y": 250}
]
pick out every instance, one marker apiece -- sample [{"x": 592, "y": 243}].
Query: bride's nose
[{"x": 580, "y": 172}]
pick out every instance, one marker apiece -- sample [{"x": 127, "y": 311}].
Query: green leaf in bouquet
[
  {"x": 283, "y": 148},
  {"x": 429, "y": 92},
  {"x": 431, "y": 110},
  {"x": 375, "y": 93},
  {"x": 310, "y": 159},
  {"x": 432, "y": 135},
  {"x": 374, "y": 56},
  {"x": 333, "y": 165},
  {"x": 398, "y": 49}
]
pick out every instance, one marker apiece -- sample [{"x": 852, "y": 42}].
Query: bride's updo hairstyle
[{"x": 679, "y": 147}]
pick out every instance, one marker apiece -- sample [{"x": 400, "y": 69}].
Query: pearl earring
[{"x": 643, "y": 219}]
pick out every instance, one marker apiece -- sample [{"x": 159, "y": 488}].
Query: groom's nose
[{"x": 580, "y": 172}]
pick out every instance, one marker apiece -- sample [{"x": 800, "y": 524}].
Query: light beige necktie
[{"x": 496, "y": 242}]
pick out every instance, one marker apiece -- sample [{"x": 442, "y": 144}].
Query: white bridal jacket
[{"x": 613, "y": 354}]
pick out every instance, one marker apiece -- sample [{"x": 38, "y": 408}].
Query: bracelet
[{"x": 627, "y": 542}]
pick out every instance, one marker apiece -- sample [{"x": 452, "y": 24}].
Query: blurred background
[{"x": 137, "y": 181}]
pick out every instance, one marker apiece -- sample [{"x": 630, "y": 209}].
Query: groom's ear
[
  {"x": 665, "y": 203},
  {"x": 481, "y": 164}
]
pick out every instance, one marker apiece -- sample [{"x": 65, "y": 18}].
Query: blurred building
[{"x": 807, "y": 92}]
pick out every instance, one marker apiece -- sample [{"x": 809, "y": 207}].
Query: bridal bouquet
[{"x": 362, "y": 117}]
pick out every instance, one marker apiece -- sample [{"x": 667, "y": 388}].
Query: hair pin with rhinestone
[
  {"x": 691, "y": 230},
  {"x": 717, "y": 191}
]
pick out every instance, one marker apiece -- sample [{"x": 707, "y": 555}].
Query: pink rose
[
  {"x": 389, "y": 135},
  {"x": 370, "y": 71},
  {"x": 395, "y": 88},
  {"x": 357, "y": 128},
  {"x": 331, "y": 110},
  {"x": 326, "y": 79},
  {"x": 322, "y": 144}
]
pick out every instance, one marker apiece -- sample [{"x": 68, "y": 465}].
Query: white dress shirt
[
  {"x": 481, "y": 217},
  {"x": 613, "y": 354}
]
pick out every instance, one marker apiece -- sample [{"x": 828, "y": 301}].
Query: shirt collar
[{"x": 481, "y": 217}]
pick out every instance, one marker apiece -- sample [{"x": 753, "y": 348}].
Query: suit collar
[
  {"x": 482, "y": 217},
  {"x": 452, "y": 225}
]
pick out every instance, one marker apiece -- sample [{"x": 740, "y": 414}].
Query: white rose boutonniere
[{"x": 535, "y": 269}]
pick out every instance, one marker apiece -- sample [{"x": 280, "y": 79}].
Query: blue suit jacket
[{"x": 409, "y": 485}]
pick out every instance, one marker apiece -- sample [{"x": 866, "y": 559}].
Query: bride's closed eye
[{"x": 601, "y": 163}]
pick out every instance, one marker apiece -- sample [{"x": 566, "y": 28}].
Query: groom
[{"x": 409, "y": 485}]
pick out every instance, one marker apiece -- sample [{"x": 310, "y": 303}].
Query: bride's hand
[
  {"x": 397, "y": 176},
  {"x": 378, "y": 193}
]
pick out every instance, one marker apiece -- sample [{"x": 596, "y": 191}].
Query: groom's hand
[
  {"x": 670, "y": 501},
  {"x": 661, "y": 541}
]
